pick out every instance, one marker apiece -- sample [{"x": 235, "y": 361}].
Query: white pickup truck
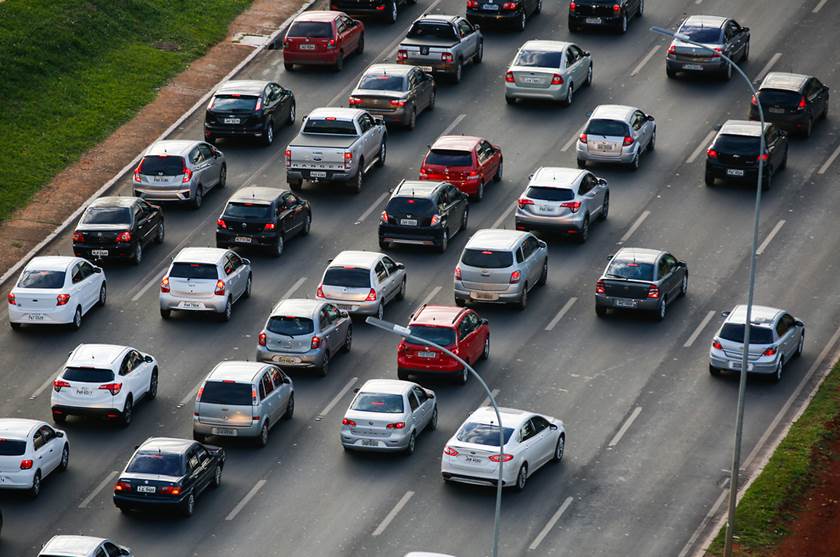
[{"x": 336, "y": 145}]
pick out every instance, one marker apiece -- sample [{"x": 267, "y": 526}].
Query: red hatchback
[
  {"x": 459, "y": 330},
  {"x": 464, "y": 161},
  {"x": 322, "y": 38}
]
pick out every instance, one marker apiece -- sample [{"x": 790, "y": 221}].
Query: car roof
[
  {"x": 166, "y": 444},
  {"x": 356, "y": 258},
  {"x": 95, "y": 355},
  {"x": 747, "y": 128},
  {"x": 784, "y": 81},
  {"x": 645, "y": 255},
  {"x": 336, "y": 112},
  {"x": 51, "y": 262},
  {"x": 241, "y": 372},
  {"x": 17, "y": 426},
  {"x": 495, "y": 238},
  {"x": 242, "y": 86},
  {"x": 540, "y": 44},
  {"x": 760, "y": 315},
  {"x": 318, "y": 15},
  {"x": 613, "y": 112},
  {"x": 437, "y": 17},
  {"x": 456, "y": 142},
  {"x": 511, "y": 417},
  {"x": 437, "y": 315},
  {"x": 296, "y": 307},
  {"x": 114, "y": 201},
  {"x": 172, "y": 147},
  {"x": 705, "y": 21},
  {"x": 386, "y": 386},
  {"x": 200, "y": 255},
  {"x": 395, "y": 69},
  {"x": 256, "y": 194},
  {"x": 556, "y": 177},
  {"x": 416, "y": 188},
  {"x": 74, "y": 546}
]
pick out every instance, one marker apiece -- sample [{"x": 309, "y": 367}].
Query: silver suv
[
  {"x": 616, "y": 134},
  {"x": 179, "y": 170},
  {"x": 500, "y": 266},
  {"x": 564, "y": 200},
  {"x": 242, "y": 399},
  {"x": 362, "y": 282},
  {"x": 304, "y": 334}
]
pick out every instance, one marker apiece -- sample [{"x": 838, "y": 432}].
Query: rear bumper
[
  {"x": 633, "y": 304},
  {"x": 463, "y": 474},
  {"x": 722, "y": 172},
  {"x": 290, "y": 360},
  {"x": 253, "y": 130},
  {"x": 251, "y": 430},
  {"x": 551, "y": 93},
  {"x": 228, "y": 239},
  {"x": 695, "y": 66},
  {"x": 146, "y": 503},
  {"x": 56, "y": 315},
  {"x": 17, "y": 479},
  {"x": 356, "y": 308},
  {"x": 98, "y": 412},
  {"x": 325, "y": 58},
  {"x": 469, "y": 187},
  {"x": 790, "y": 122},
  {"x": 179, "y": 194},
  {"x": 570, "y": 224},
  {"x": 331, "y": 175},
  {"x": 398, "y": 116},
  {"x": 115, "y": 251},
  {"x": 508, "y": 296},
  {"x": 393, "y": 443},
  {"x": 721, "y": 361},
  {"x": 436, "y": 65},
  {"x": 410, "y": 235},
  {"x": 170, "y": 302},
  {"x": 625, "y": 157},
  {"x": 501, "y": 17},
  {"x": 353, "y": 8},
  {"x": 595, "y": 20}
]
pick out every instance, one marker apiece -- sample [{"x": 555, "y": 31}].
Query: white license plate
[
  {"x": 737, "y": 366},
  {"x": 606, "y": 147},
  {"x": 285, "y": 360},
  {"x": 625, "y": 303},
  {"x": 490, "y": 7},
  {"x": 191, "y": 305},
  {"x": 318, "y": 174},
  {"x": 231, "y": 120},
  {"x": 243, "y": 240},
  {"x": 160, "y": 180},
  {"x": 484, "y": 296},
  {"x": 229, "y": 431},
  {"x": 370, "y": 443},
  {"x": 427, "y": 354},
  {"x": 99, "y": 252},
  {"x": 146, "y": 489},
  {"x": 776, "y": 110},
  {"x": 84, "y": 392},
  {"x": 531, "y": 80},
  {"x": 408, "y": 222},
  {"x": 692, "y": 67},
  {"x": 593, "y": 20},
  {"x": 734, "y": 172},
  {"x": 35, "y": 316},
  {"x": 472, "y": 460},
  {"x": 307, "y": 47},
  {"x": 545, "y": 209}
]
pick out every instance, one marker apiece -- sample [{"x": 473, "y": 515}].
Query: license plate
[
  {"x": 490, "y": 7},
  {"x": 408, "y": 222},
  {"x": 472, "y": 460},
  {"x": 737, "y": 366},
  {"x": 692, "y": 67},
  {"x": 427, "y": 69},
  {"x": 625, "y": 303},
  {"x": 160, "y": 180},
  {"x": 734, "y": 172},
  {"x": 229, "y": 431},
  {"x": 84, "y": 392},
  {"x": 243, "y": 240},
  {"x": 307, "y": 47},
  {"x": 545, "y": 209},
  {"x": 191, "y": 305},
  {"x": 427, "y": 354},
  {"x": 318, "y": 174},
  {"x": 776, "y": 110},
  {"x": 99, "y": 252},
  {"x": 345, "y": 307},
  {"x": 606, "y": 147},
  {"x": 484, "y": 295},
  {"x": 35, "y": 316},
  {"x": 531, "y": 80},
  {"x": 370, "y": 443},
  {"x": 285, "y": 360},
  {"x": 593, "y": 20},
  {"x": 231, "y": 120},
  {"x": 146, "y": 489}
]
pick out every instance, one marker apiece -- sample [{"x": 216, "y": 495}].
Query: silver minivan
[
  {"x": 500, "y": 267},
  {"x": 362, "y": 282},
  {"x": 179, "y": 170},
  {"x": 242, "y": 399}
]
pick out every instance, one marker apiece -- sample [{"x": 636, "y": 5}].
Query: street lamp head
[
  {"x": 662, "y": 31},
  {"x": 391, "y": 327}
]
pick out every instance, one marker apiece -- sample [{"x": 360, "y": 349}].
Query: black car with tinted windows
[
  {"x": 117, "y": 228},
  {"x": 423, "y": 213},
  {"x": 386, "y": 9},
  {"x": 262, "y": 217},
  {"x": 506, "y": 12},
  {"x": 734, "y": 153},
  {"x": 167, "y": 473},
  {"x": 248, "y": 108},
  {"x": 791, "y": 101},
  {"x": 611, "y": 14}
]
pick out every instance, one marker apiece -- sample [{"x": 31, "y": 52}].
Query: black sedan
[
  {"x": 423, "y": 213},
  {"x": 513, "y": 13},
  {"x": 735, "y": 153},
  {"x": 248, "y": 108},
  {"x": 598, "y": 13},
  {"x": 791, "y": 101},
  {"x": 167, "y": 473},
  {"x": 118, "y": 228}
]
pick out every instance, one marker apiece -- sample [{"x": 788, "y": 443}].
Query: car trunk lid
[
  {"x": 532, "y": 77},
  {"x": 626, "y": 288}
]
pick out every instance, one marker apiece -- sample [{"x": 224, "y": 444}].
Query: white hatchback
[
  {"x": 56, "y": 290},
  {"x": 83, "y": 546},
  {"x": 30, "y": 450},
  {"x": 103, "y": 380}
]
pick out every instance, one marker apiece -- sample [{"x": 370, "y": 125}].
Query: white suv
[
  {"x": 103, "y": 380},
  {"x": 30, "y": 450}
]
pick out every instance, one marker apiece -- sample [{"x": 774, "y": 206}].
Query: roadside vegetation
[{"x": 75, "y": 70}]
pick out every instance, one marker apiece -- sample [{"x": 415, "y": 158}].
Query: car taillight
[
  {"x": 254, "y": 402},
  {"x": 221, "y": 223},
  {"x": 616, "y": 8},
  {"x": 353, "y": 101},
  {"x": 449, "y": 451},
  {"x": 435, "y": 220},
  {"x": 114, "y": 388},
  {"x": 402, "y": 55},
  {"x": 572, "y": 6},
  {"x": 137, "y": 179},
  {"x": 672, "y": 49},
  {"x": 583, "y": 138},
  {"x": 600, "y": 287},
  {"x": 62, "y": 299},
  {"x": 348, "y": 421},
  {"x": 122, "y": 486},
  {"x": 446, "y": 57},
  {"x": 523, "y": 202},
  {"x": 170, "y": 490},
  {"x": 472, "y": 4},
  {"x": 515, "y": 276},
  {"x": 78, "y": 237},
  {"x": 371, "y": 297},
  {"x": 200, "y": 392},
  {"x": 59, "y": 384},
  {"x": 802, "y": 104},
  {"x": 164, "y": 284},
  {"x": 396, "y": 425},
  {"x": 319, "y": 292},
  {"x": 573, "y": 206},
  {"x": 401, "y": 347},
  {"x": 258, "y": 106},
  {"x": 385, "y": 218},
  {"x": 220, "y": 288},
  {"x": 26, "y": 464},
  {"x": 761, "y": 157},
  {"x": 11, "y": 298},
  {"x": 754, "y": 101},
  {"x": 653, "y": 291},
  {"x": 187, "y": 175},
  {"x": 473, "y": 175},
  {"x": 316, "y": 342},
  {"x": 288, "y": 155},
  {"x": 770, "y": 351},
  {"x": 396, "y": 102},
  {"x": 557, "y": 79},
  {"x": 502, "y": 457},
  {"x": 509, "y": 77},
  {"x": 261, "y": 338},
  {"x": 331, "y": 43},
  {"x": 716, "y": 53},
  {"x": 510, "y": 6},
  {"x": 711, "y": 153},
  {"x": 717, "y": 345},
  {"x": 269, "y": 226},
  {"x": 457, "y": 273},
  {"x": 628, "y": 140},
  {"x": 124, "y": 237},
  {"x": 348, "y": 160}
]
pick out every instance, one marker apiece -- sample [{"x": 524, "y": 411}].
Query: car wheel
[
  {"x": 460, "y": 303},
  {"x": 166, "y": 313},
  {"x": 479, "y": 194},
  {"x": 65, "y": 458},
  {"x": 59, "y": 418},
  {"x": 151, "y": 394},
  {"x": 463, "y": 377},
  {"x": 522, "y": 477},
  {"x": 746, "y": 55},
  {"x": 295, "y": 185},
  {"x": 356, "y": 186},
  {"x": 523, "y": 299},
  {"x": 801, "y": 346},
  {"x": 560, "y": 448},
  {"x": 661, "y": 310},
  {"x": 201, "y": 438},
  {"x": 127, "y": 413},
  {"x": 634, "y": 164},
  {"x": 581, "y": 163},
  {"x": 713, "y": 371},
  {"x": 479, "y": 55},
  {"x": 76, "y": 324},
  {"x": 392, "y": 12},
  {"x": 361, "y": 47},
  {"x": 189, "y": 506},
  {"x": 499, "y": 171},
  {"x": 456, "y": 77},
  {"x": 510, "y": 100},
  {"x": 412, "y": 441},
  {"x": 727, "y": 73},
  {"x": 652, "y": 143},
  {"x": 14, "y": 326},
  {"x": 324, "y": 368},
  {"x": 538, "y": 8},
  {"x": 641, "y": 11},
  {"x": 217, "y": 477},
  {"x": 401, "y": 293},
  {"x": 103, "y": 295},
  {"x": 767, "y": 178},
  {"x": 600, "y": 311},
  {"x": 161, "y": 233},
  {"x": 485, "y": 353},
  {"x": 444, "y": 242},
  {"x": 262, "y": 438},
  {"x": 623, "y": 27},
  {"x": 605, "y": 207},
  {"x": 522, "y": 21},
  {"x": 783, "y": 164},
  {"x": 583, "y": 235},
  {"x": 307, "y": 225},
  {"x": 223, "y": 176},
  {"x": 777, "y": 375},
  {"x": 412, "y": 121},
  {"x": 198, "y": 198},
  {"x": 137, "y": 258},
  {"x": 290, "y": 408},
  {"x": 248, "y": 285},
  {"x": 35, "y": 489},
  {"x": 465, "y": 219},
  {"x": 277, "y": 249},
  {"x": 544, "y": 274},
  {"x": 432, "y": 100},
  {"x": 569, "y": 94},
  {"x": 226, "y": 314},
  {"x": 670, "y": 73},
  {"x": 339, "y": 62},
  {"x": 383, "y": 153},
  {"x": 268, "y": 134},
  {"x": 289, "y": 66},
  {"x": 684, "y": 285},
  {"x": 402, "y": 375},
  {"x": 292, "y": 114},
  {"x": 809, "y": 128},
  {"x": 432, "y": 425},
  {"x": 348, "y": 339},
  {"x": 380, "y": 311},
  {"x": 709, "y": 179}
]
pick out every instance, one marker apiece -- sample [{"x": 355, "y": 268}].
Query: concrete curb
[{"x": 110, "y": 183}]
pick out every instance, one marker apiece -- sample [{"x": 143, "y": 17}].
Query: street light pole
[
  {"x": 742, "y": 383},
  {"x": 405, "y": 332}
]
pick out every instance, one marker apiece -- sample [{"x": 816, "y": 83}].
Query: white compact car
[
  {"x": 103, "y": 380},
  {"x": 362, "y": 282},
  {"x": 30, "y": 450},
  {"x": 472, "y": 454},
  {"x": 56, "y": 290},
  {"x": 83, "y": 546}
]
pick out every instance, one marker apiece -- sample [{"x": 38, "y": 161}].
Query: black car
[
  {"x": 507, "y": 12},
  {"x": 248, "y": 108},
  {"x": 611, "y": 14},
  {"x": 262, "y": 217},
  {"x": 167, "y": 473},
  {"x": 791, "y": 101},
  {"x": 381, "y": 8},
  {"x": 118, "y": 228},
  {"x": 734, "y": 153},
  {"x": 423, "y": 213}
]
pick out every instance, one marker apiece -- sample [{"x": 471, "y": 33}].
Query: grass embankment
[
  {"x": 75, "y": 70},
  {"x": 772, "y": 500}
]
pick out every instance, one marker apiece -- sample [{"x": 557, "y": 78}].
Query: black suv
[
  {"x": 423, "y": 213},
  {"x": 248, "y": 108},
  {"x": 791, "y": 101},
  {"x": 734, "y": 153},
  {"x": 612, "y": 14},
  {"x": 263, "y": 218},
  {"x": 117, "y": 228}
]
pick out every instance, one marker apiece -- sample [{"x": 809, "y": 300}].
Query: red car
[
  {"x": 459, "y": 330},
  {"x": 466, "y": 162},
  {"x": 322, "y": 38}
]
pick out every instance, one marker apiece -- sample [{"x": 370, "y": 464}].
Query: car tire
[
  {"x": 662, "y": 309},
  {"x": 510, "y": 100},
  {"x": 188, "y": 508},
  {"x": 634, "y": 164},
  {"x": 65, "y": 459},
  {"x": 151, "y": 394},
  {"x": 292, "y": 114},
  {"x": 432, "y": 100},
  {"x": 383, "y": 154},
  {"x": 479, "y": 194},
  {"x": 538, "y": 7},
  {"x": 324, "y": 368},
  {"x": 523, "y": 20},
  {"x": 684, "y": 285},
  {"x": 485, "y": 352},
  {"x": 709, "y": 179},
  {"x": 497, "y": 177},
  {"x": 348, "y": 339},
  {"x": 290, "y": 408},
  {"x": 458, "y": 73},
  {"x": 569, "y": 95},
  {"x": 59, "y": 419},
  {"x": 641, "y": 11},
  {"x": 713, "y": 371},
  {"x": 784, "y": 162},
  {"x": 412, "y": 442},
  {"x": 76, "y": 324},
  {"x": 726, "y": 74},
  {"x": 391, "y": 16},
  {"x": 652, "y": 143},
  {"x": 360, "y": 48},
  {"x": 622, "y": 28},
  {"x": 523, "y": 299},
  {"x": 380, "y": 311},
  {"x": 809, "y": 129},
  {"x": 401, "y": 291},
  {"x": 767, "y": 179},
  {"x": 402, "y": 375},
  {"x": 103, "y": 295},
  {"x": 200, "y": 437},
  {"x": 581, "y": 163},
  {"x": 583, "y": 234},
  {"x": 600, "y": 311},
  {"x": 432, "y": 425},
  {"x": 296, "y": 185},
  {"x": 227, "y": 312},
  {"x": 166, "y": 313},
  {"x": 339, "y": 62},
  {"x": 248, "y": 286},
  {"x": 479, "y": 54},
  {"x": 268, "y": 134},
  {"x": 670, "y": 73},
  {"x": 521, "y": 477},
  {"x": 444, "y": 242},
  {"x": 262, "y": 439},
  {"x": 356, "y": 185},
  {"x": 605, "y": 208},
  {"x": 198, "y": 198},
  {"x": 383, "y": 245},
  {"x": 412, "y": 121},
  {"x": 14, "y": 326},
  {"x": 289, "y": 66},
  {"x": 217, "y": 478},
  {"x": 222, "y": 177},
  {"x": 307, "y": 225},
  {"x": 137, "y": 258},
  {"x": 460, "y": 303},
  {"x": 279, "y": 245},
  {"x": 35, "y": 489},
  {"x": 127, "y": 414},
  {"x": 161, "y": 233},
  {"x": 463, "y": 377},
  {"x": 801, "y": 346},
  {"x": 588, "y": 81},
  {"x": 544, "y": 274},
  {"x": 559, "y": 449},
  {"x": 777, "y": 375},
  {"x": 746, "y": 55}
]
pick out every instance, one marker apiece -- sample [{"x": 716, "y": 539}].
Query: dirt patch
[{"x": 69, "y": 189}]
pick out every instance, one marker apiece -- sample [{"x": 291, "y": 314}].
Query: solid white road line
[
  {"x": 620, "y": 433},
  {"x": 190, "y": 395},
  {"x": 430, "y": 296},
  {"x": 830, "y": 160},
  {"x": 645, "y": 60},
  {"x": 566, "y": 307},
  {"x": 92, "y": 495},
  {"x": 819, "y": 6},
  {"x": 373, "y": 207},
  {"x": 504, "y": 216},
  {"x": 770, "y": 237},
  {"x": 550, "y": 524},
  {"x": 635, "y": 226},
  {"x": 155, "y": 281},
  {"x": 454, "y": 123},
  {"x": 699, "y": 329},
  {"x": 701, "y": 147},
  {"x": 294, "y": 288},
  {"x": 495, "y": 393},
  {"x": 337, "y": 398},
  {"x": 767, "y": 67},
  {"x": 241, "y": 505},
  {"x": 46, "y": 384},
  {"x": 391, "y": 515},
  {"x": 571, "y": 141}
]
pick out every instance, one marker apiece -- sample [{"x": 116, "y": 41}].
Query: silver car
[
  {"x": 722, "y": 34},
  {"x": 179, "y": 170},
  {"x": 616, "y": 134},
  {"x": 387, "y": 415},
  {"x": 242, "y": 399},
  {"x": 205, "y": 280},
  {"x": 82, "y": 546},
  {"x": 776, "y": 337},
  {"x": 500, "y": 267},
  {"x": 304, "y": 334},
  {"x": 548, "y": 70},
  {"x": 564, "y": 200},
  {"x": 362, "y": 282}
]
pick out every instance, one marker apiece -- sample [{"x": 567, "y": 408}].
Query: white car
[
  {"x": 56, "y": 290},
  {"x": 472, "y": 454},
  {"x": 30, "y": 450},
  {"x": 82, "y": 546},
  {"x": 103, "y": 380}
]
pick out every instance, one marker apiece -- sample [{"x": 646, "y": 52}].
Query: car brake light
[
  {"x": 754, "y": 101},
  {"x": 187, "y": 175},
  {"x": 288, "y": 157},
  {"x": 254, "y": 400},
  {"x": 170, "y": 490},
  {"x": 446, "y": 57},
  {"x": 220, "y": 288},
  {"x": 515, "y": 276},
  {"x": 716, "y": 53},
  {"x": 402, "y": 55},
  {"x": 331, "y": 43},
  {"x": 371, "y": 297},
  {"x": 385, "y": 217},
  {"x": 269, "y": 226},
  {"x": 319, "y": 292},
  {"x": 396, "y": 102},
  {"x": 449, "y": 451},
  {"x": 164, "y": 284},
  {"x": 316, "y": 342},
  {"x": 78, "y": 236},
  {"x": 717, "y": 345},
  {"x": 435, "y": 220},
  {"x": 401, "y": 347},
  {"x": 124, "y": 237},
  {"x": 261, "y": 338},
  {"x": 711, "y": 153},
  {"x": 802, "y": 104},
  {"x": 653, "y": 291},
  {"x": 200, "y": 392},
  {"x": 770, "y": 351},
  {"x": 122, "y": 486},
  {"x": 510, "y": 6},
  {"x": 62, "y": 299},
  {"x": 258, "y": 106},
  {"x": 11, "y": 298},
  {"x": 114, "y": 388},
  {"x": 557, "y": 79},
  {"x": 348, "y": 421},
  {"x": 583, "y": 138},
  {"x": 573, "y": 206},
  {"x": 502, "y": 457},
  {"x": 672, "y": 49},
  {"x": 523, "y": 202},
  {"x": 348, "y": 160},
  {"x": 221, "y": 223},
  {"x": 509, "y": 77},
  {"x": 59, "y": 384},
  {"x": 396, "y": 425},
  {"x": 137, "y": 173},
  {"x": 572, "y": 6},
  {"x": 26, "y": 464},
  {"x": 600, "y": 287},
  {"x": 628, "y": 140},
  {"x": 472, "y": 4},
  {"x": 761, "y": 157},
  {"x": 616, "y": 8},
  {"x": 353, "y": 101},
  {"x": 457, "y": 273}
]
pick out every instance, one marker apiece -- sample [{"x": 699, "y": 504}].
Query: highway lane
[{"x": 315, "y": 459}]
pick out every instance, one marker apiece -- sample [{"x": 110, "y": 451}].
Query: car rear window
[
  {"x": 442, "y": 336},
  {"x": 383, "y": 403},
  {"x": 607, "y": 127},
  {"x": 41, "y": 279},
  {"x": 487, "y": 259},
  {"x": 155, "y": 165},
  {"x": 234, "y": 103},
  {"x": 88, "y": 375},
  {"x": 483, "y": 434},
  {"x": 738, "y": 144},
  {"x": 290, "y": 326},
  {"x": 431, "y": 30},
  {"x": 777, "y": 97},
  {"x": 194, "y": 271},
  {"x": 630, "y": 269},
  {"x": 382, "y": 82},
  {"x": 311, "y": 29},
  {"x": 247, "y": 211},
  {"x": 445, "y": 157},
  {"x": 413, "y": 205},
  {"x": 539, "y": 59},
  {"x": 549, "y": 194},
  {"x": 225, "y": 392},
  {"x": 12, "y": 447},
  {"x": 334, "y": 127},
  {"x": 162, "y": 464},
  {"x": 735, "y": 333},
  {"x": 702, "y": 34},
  {"x": 107, "y": 215},
  {"x": 351, "y": 277}
]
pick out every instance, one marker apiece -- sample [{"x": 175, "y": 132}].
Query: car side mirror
[
  {"x": 380, "y": 120},
  {"x": 148, "y": 359},
  {"x": 542, "y": 244},
  {"x": 717, "y": 128},
  {"x": 356, "y": 390},
  {"x": 586, "y": 53},
  {"x": 344, "y": 313},
  {"x": 799, "y": 323},
  {"x": 610, "y": 256},
  {"x": 430, "y": 394},
  {"x": 246, "y": 261},
  {"x": 602, "y": 181},
  {"x": 400, "y": 265},
  {"x": 485, "y": 321},
  {"x": 650, "y": 118},
  {"x": 745, "y": 29},
  {"x": 725, "y": 313},
  {"x": 97, "y": 270},
  {"x": 553, "y": 427},
  {"x": 477, "y": 27},
  {"x": 125, "y": 551},
  {"x": 59, "y": 434}
]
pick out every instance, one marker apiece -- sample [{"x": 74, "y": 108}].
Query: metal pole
[
  {"x": 406, "y": 333},
  {"x": 742, "y": 382}
]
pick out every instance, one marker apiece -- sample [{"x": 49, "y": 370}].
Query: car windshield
[
  {"x": 193, "y": 271},
  {"x": 432, "y": 30},
  {"x": 444, "y": 157},
  {"x": 12, "y": 447},
  {"x": 549, "y": 194},
  {"x": 738, "y": 144},
  {"x": 410, "y": 205},
  {"x": 607, "y": 127},
  {"x": 735, "y": 332},
  {"x": 225, "y": 392},
  {"x": 777, "y": 97},
  {"x": 163, "y": 165},
  {"x": 375, "y": 402},
  {"x": 442, "y": 336},
  {"x": 234, "y": 103},
  {"x": 487, "y": 259},
  {"x": 350, "y": 277},
  {"x": 538, "y": 59},
  {"x": 702, "y": 34},
  {"x": 247, "y": 211},
  {"x": 290, "y": 326},
  {"x": 32, "y": 278},
  {"x": 311, "y": 29},
  {"x": 630, "y": 269},
  {"x": 161, "y": 464},
  {"x": 483, "y": 434},
  {"x": 382, "y": 82},
  {"x": 107, "y": 215},
  {"x": 330, "y": 126},
  {"x": 88, "y": 375}
]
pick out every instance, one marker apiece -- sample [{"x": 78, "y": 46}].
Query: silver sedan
[
  {"x": 548, "y": 70},
  {"x": 616, "y": 134}
]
